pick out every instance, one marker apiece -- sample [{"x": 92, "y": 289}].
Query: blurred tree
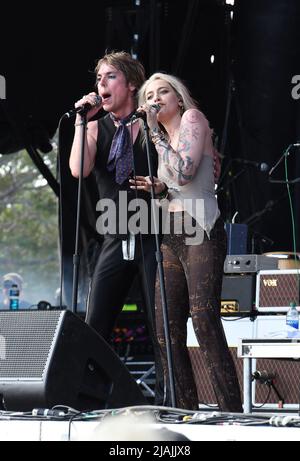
[{"x": 29, "y": 225}]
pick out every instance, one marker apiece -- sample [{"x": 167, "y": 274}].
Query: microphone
[
  {"x": 263, "y": 376},
  {"x": 83, "y": 110},
  {"x": 261, "y": 166},
  {"x": 142, "y": 114}
]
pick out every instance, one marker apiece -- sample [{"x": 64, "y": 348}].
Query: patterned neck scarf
[{"x": 121, "y": 151}]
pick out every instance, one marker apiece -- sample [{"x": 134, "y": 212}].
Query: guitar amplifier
[
  {"x": 238, "y": 293},
  {"x": 275, "y": 290}
]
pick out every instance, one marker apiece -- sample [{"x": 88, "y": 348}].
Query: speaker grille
[
  {"x": 287, "y": 374},
  {"x": 277, "y": 289},
  {"x": 28, "y": 338}
]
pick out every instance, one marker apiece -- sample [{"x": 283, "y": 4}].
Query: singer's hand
[
  {"x": 144, "y": 183},
  {"x": 93, "y": 100},
  {"x": 151, "y": 114}
]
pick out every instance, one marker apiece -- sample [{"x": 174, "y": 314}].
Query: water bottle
[
  {"x": 292, "y": 321},
  {"x": 14, "y": 296}
]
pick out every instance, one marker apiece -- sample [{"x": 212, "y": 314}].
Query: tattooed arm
[{"x": 182, "y": 163}]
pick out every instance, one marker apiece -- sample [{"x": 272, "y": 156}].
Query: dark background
[{"x": 48, "y": 57}]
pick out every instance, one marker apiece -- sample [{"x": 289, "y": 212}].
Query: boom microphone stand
[{"x": 159, "y": 259}]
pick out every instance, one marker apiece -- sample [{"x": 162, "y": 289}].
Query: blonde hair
[{"x": 178, "y": 86}]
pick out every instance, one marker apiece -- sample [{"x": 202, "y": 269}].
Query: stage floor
[{"x": 129, "y": 424}]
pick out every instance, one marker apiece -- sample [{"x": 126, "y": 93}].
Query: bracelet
[
  {"x": 163, "y": 194},
  {"x": 157, "y": 136}
]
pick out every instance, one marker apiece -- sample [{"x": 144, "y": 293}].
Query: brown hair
[{"x": 132, "y": 69}]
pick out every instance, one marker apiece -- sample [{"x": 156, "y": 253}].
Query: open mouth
[{"x": 105, "y": 97}]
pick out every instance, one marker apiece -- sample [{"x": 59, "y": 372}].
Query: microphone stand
[
  {"x": 76, "y": 256},
  {"x": 231, "y": 180},
  {"x": 159, "y": 259},
  {"x": 285, "y": 154}
]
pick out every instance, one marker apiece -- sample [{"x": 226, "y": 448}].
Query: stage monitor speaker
[{"x": 52, "y": 358}]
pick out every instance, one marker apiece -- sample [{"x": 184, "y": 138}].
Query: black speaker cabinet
[{"x": 52, "y": 358}]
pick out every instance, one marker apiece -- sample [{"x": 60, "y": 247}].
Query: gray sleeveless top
[{"x": 198, "y": 196}]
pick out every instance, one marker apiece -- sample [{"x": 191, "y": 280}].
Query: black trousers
[{"x": 111, "y": 281}]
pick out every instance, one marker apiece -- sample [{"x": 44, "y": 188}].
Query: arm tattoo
[
  {"x": 193, "y": 117},
  {"x": 185, "y": 169},
  {"x": 179, "y": 164}
]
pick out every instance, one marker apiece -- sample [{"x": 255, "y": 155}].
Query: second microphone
[{"x": 142, "y": 114}]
